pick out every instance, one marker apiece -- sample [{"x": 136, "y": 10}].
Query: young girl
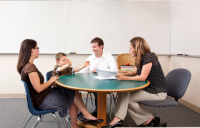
[{"x": 43, "y": 97}]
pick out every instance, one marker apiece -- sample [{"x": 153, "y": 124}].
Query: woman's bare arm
[
  {"x": 131, "y": 73},
  {"x": 142, "y": 77},
  {"x": 35, "y": 81}
]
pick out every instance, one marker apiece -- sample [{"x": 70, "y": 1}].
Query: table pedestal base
[
  {"x": 101, "y": 108},
  {"x": 85, "y": 125},
  {"x": 101, "y": 111}
]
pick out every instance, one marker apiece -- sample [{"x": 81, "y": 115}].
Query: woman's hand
[
  {"x": 120, "y": 76},
  {"x": 69, "y": 62},
  {"x": 87, "y": 63},
  {"x": 53, "y": 84},
  {"x": 53, "y": 79},
  {"x": 94, "y": 70}
]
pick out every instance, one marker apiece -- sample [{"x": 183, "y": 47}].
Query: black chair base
[
  {"x": 158, "y": 124},
  {"x": 163, "y": 124}
]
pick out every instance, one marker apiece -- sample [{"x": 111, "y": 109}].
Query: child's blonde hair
[{"x": 59, "y": 55}]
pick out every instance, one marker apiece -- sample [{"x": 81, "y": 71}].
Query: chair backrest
[
  {"x": 177, "y": 82},
  {"x": 123, "y": 58},
  {"x": 28, "y": 98},
  {"x": 49, "y": 75},
  {"x": 33, "y": 110}
]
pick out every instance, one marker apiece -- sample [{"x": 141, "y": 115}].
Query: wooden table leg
[{"x": 101, "y": 108}]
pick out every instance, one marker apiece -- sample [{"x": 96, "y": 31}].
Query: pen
[
  {"x": 73, "y": 52},
  {"x": 182, "y": 54}
]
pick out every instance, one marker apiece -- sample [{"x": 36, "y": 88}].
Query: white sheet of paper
[
  {"x": 102, "y": 78},
  {"x": 105, "y": 73}
]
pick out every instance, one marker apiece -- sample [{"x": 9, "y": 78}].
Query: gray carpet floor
[{"x": 14, "y": 113}]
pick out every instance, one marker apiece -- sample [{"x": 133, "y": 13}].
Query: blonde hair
[
  {"x": 59, "y": 55},
  {"x": 141, "y": 47}
]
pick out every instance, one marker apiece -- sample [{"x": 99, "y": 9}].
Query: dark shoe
[
  {"x": 118, "y": 124},
  {"x": 88, "y": 121},
  {"x": 153, "y": 121},
  {"x": 94, "y": 114}
]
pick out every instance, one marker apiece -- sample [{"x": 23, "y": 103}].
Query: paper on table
[
  {"x": 102, "y": 78},
  {"x": 104, "y": 74}
]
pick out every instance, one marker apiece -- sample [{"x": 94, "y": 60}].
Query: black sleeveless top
[{"x": 156, "y": 75}]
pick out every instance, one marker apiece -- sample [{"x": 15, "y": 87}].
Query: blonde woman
[{"x": 147, "y": 68}]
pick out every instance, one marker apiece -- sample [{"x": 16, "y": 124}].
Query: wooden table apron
[{"x": 86, "y": 82}]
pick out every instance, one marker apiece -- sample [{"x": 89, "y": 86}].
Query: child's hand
[
  {"x": 87, "y": 63},
  {"x": 69, "y": 62}
]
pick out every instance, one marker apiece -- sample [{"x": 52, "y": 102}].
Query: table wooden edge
[{"x": 97, "y": 90}]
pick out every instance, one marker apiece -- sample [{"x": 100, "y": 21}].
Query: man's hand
[
  {"x": 94, "y": 70},
  {"x": 87, "y": 63},
  {"x": 69, "y": 62}
]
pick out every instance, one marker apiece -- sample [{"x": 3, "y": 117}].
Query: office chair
[
  {"x": 35, "y": 111},
  {"x": 177, "y": 82},
  {"x": 49, "y": 75},
  {"x": 111, "y": 97},
  {"x": 123, "y": 58}
]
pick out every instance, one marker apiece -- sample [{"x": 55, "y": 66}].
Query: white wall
[
  {"x": 11, "y": 84},
  {"x": 192, "y": 94},
  {"x": 66, "y": 26},
  {"x": 11, "y": 81}
]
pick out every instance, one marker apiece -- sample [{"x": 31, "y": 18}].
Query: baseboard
[
  {"x": 12, "y": 96},
  {"x": 84, "y": 95},
  {"x": 189, "y": 105}
]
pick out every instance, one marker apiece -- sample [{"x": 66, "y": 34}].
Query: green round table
[{"x": 86, "y": 82}]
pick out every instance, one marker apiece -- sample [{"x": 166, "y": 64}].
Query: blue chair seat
[
  {"x": 37, "y": 112},
  {"x": 161, "y": 103}
]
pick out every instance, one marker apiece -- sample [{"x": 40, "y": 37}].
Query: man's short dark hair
[{"x": 98, "y": 40}]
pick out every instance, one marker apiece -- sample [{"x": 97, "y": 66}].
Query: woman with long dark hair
[
  {"x": 147, "y": 68},
  {"x": 43, "y": 96}
]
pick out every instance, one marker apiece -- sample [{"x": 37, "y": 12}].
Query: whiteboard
[
  {"x": 43, "y": 21},
  {"x": 185, "y": 38},
  {"x": 117, "y": 22},
  {"x": 69, "y": 26}
]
